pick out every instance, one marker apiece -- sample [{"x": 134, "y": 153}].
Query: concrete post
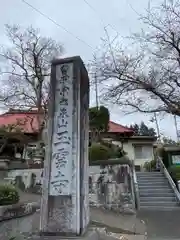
[{"x": 65, "y": 202}]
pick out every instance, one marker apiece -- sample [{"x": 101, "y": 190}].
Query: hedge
[
  {"x": 104, "y": 151},
  {"x": 149, "y": 166},
  {"x": 8, "y": 195},
  {"x": 98, "y": 151},
  {"x": 122, "y": 161},
  {"x": 174, "y": 171}
]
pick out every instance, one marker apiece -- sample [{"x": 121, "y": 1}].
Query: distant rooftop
[
  {"x": 118, "y": 128},
  {"x": 27, "y": 120}
]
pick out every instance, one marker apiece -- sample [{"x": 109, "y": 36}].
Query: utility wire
[
  {"x": 105, "y": 30},
  {"x": 103, "y": 22},
  {"x": 66, "y": 30},
  {"x": 56, "y": 23},
  {"x": 134, "y": 10},
  {"x": 109, "y": 45}
]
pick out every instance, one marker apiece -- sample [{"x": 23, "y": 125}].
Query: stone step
[
  {"x": 162, "y": 208},
  {"x": 151, "y": 185},
  {"x": 150, "y": 189},
  {"x": 156, "y": 194},
  {"x": 158, "y": 204},
  {"x": 151, "y": 179},
  {"x": 158, "y": 199},
  {"x": 158, "y": 182},
  {"x": 149, "y": 174},
  {"x": 148, "y": 182},
  {"x": 154, "y": 188}
]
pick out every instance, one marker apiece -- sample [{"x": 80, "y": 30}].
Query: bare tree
[
  {"x": 25, "y": 68},
  {"x": 149, "y": 80}
]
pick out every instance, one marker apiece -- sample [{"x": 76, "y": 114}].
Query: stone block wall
[{"x": 110, "y": 186}]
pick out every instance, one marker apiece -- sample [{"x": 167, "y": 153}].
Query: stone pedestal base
[{"x": 90, "y": 235}]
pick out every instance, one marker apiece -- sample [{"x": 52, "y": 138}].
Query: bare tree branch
[
  {"x": 25, "y": 68},
  {"x": 148, "y": 81}
]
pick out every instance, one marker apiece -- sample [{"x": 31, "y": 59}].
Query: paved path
[
  {"x": 114, "y": 223},
  {"x": 29, "y": 197},
  {"x": 117, "y": 222},
  {"x": 162, "y": 225},
  {"x": 16, "y": 226},
  {"x": 27, "y": 224}
]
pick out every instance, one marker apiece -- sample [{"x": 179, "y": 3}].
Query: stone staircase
[{"x": 155, "y": 191}]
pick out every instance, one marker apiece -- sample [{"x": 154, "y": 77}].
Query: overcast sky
[{"x": 84, "y": 23}]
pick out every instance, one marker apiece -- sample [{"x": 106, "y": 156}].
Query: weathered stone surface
[
  {"x": 65, "y": 203},
  {"x": 17, "y": 210},
  {"x": 110, "y": 186}
]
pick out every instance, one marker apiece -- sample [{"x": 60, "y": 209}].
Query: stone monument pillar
[
  {"x": 65, "y": 202},
  {"x": 179, "y": 185}
]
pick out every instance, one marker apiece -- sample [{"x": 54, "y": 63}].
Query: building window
[
  {"x": 138, "y": 152},
  {"x": 143, "y": 152}
]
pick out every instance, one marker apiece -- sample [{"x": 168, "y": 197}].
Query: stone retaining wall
[
  {"x": 17, "y": 210},
  {"x": 110, "y": 186}
]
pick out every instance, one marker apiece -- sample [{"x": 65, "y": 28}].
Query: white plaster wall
[
  {"x": 129, "y": 149},
  {"x": 147, "y": 159},
  {"x": 26, "y": 175}
]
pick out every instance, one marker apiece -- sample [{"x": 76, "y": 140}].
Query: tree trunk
[{"x": 3, "y": 145}]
